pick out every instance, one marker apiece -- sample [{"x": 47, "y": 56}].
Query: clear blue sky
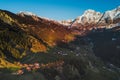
[{"x": 58, "y": 9}]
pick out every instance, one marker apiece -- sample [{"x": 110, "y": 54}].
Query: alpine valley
[{"x": 38, "y": 48}]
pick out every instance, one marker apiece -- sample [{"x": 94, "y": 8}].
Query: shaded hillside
[
  {"x": 80, "y": 63},
  {"x": 107, "y": 44},
  {"x": 13, "y": 41}
]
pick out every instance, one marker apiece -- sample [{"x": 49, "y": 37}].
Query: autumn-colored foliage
[
  {"x": 23, "y": 34},
  {"x": 30, "y": 67},
  {"x": 48, "y": 31},
  {"x": 41, "y": 32},
  {"x": 37, "y": 46}
]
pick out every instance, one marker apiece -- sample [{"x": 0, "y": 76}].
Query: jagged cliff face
[{"x": 91, "y": 18}]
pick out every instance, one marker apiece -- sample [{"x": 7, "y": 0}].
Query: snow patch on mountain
[
  {"x": 27, "y": 13},
  {"x": 34, "y": 16},
  {"x": 113, "y": 14}
]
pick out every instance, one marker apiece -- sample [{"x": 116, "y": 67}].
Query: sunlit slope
[{"x": 22, "y": 34}]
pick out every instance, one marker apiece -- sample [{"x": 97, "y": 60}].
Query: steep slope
[
  {"x": 39, "y": 28},
  {"x": 107, "y": 45},
  {"x": 13, "y": 41},
  {"x": 23, "y": 34}
]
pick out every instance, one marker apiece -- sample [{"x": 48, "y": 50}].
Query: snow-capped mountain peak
[
  {"x": 113, "y": 14},
  {"x": 118, "y": 8},
  {"x": 27, "y": 13},
  {"x": 89, "y": 16},
  {"x": 92, "y": 17},
  {"x": 90, "y": 11},
  {"x": 34, "y": 16}
]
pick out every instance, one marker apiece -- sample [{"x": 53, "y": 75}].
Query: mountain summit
[{"x": 107, "y": 19}]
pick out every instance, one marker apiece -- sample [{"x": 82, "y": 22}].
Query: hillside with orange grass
[
  {"x": 41, "y": 33},
  {"x": 22, "y": 34}
]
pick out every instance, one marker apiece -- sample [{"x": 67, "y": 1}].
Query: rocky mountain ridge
[{"x": 109, "y": 19}]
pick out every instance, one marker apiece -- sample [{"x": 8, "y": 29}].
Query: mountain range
[
  {"x": 89, "y": 49},
  {"x": 108, "y": 19}
]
